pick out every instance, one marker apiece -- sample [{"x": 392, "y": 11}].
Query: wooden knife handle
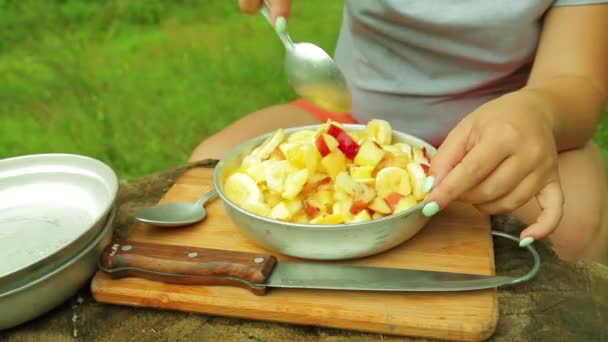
[{"x": 188, "y": 265}]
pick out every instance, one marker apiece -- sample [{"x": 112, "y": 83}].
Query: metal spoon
[
  {"x": 313, "y": 74},
  {"x": 176, "y": 214}
]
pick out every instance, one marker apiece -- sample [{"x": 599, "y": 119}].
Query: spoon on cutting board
[
  {"x": 176, "y": 214},
  {"x": 313, "y": 74}
]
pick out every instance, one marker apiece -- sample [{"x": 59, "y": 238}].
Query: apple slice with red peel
[
  {"x": 326, "y": 144},
  {"x": 346, "y": 143}
]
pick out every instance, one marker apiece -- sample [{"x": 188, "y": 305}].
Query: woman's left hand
[{"x": 500, "y": 157}]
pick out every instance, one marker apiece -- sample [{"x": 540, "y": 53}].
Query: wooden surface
[{"x": 457, "y": 240}]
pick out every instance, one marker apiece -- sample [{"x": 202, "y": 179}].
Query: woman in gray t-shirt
[{"x": 510, "y": 91}]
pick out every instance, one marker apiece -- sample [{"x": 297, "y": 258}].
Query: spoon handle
[
  {"x": 284, "y": 36},
  {"x": 206, "y": 197}
]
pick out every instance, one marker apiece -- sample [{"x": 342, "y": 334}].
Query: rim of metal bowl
[
  {"x": 67, "y": 251},
  {"x": 253, "y": 142}
]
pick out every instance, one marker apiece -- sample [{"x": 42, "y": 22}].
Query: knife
[{"x": 258, "y": 272}]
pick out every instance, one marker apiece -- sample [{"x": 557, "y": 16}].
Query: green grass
[{"x": 139, "y": 83}]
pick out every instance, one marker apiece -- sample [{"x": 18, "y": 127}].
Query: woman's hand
[
  {"x": 278, "y": 8},
  {"x": 498, "y": 158}
]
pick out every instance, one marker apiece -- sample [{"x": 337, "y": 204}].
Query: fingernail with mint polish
[
  {"x": 429, "y": 183},
  {"x": 430, "y": 209},
  {"x": 527, "y": 241},
  {"x": 280, "y": 25}
]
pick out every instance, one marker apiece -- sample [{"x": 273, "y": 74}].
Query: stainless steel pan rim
[{"x": 92, "y": 184}]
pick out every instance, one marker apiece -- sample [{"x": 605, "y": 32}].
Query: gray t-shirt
[{"x": 425, "y": 64}]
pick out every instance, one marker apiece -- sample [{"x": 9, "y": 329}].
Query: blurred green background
[{"x": 139, "y": 83}]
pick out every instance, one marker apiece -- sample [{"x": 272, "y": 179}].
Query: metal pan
[
  {"x": 41, "y": 294},
  {"x": 52, "y": 207}
]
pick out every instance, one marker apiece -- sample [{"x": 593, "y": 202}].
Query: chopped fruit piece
[
  {"x": 324, "y": 198},
  {"x": 294, "y": 206},
  {"x": 269, "y": 145},
  {"x": 362, "y": 216},
  {"x": 257, "y": 172},
  {"x": 376, "y": 215},
  {"x": 342, "y": 207},
  {"x": 397, "y": 160},
  {"x": 360, "y": 192},
  {"x": 404, "y": 204},
  {"x": 280, "y": 212},
  {"x": 272, "y": 198},
  {"x": 300, "y": 218},
  {"x": 419, "y": 156},
  {"x": 345, "y": 183},
  {"x": 361, "y": 173},
  {"x": 341, "y": 196},
  {"x": 275, "y": 172},
  {"x": 379, "y": 205},
  {"x": 393, "y": 179},
  {"x": 312, "y": 158},
  {"x": 315, "y": 182},
  {"x": 326, "y": 144},
  {"x": 357, "y": 206},
  {"x": 364, "y": 193},
  {"x": 241, "y": 188},
  {"x": 334, "y": 163},
  {"x": 302, "y": 137},
  {"x": 405, "y": 149},
  {"x": 425, "y": 168},
  {"x": 277, "y": 154},
  {"x": 393, "y": 199},
  {"x": 294, "y": 183},
  {"x": 311, "y": 208},
  {"x": 417, "y": 178},
  {"x": 346, "y": 143},
  {"x": 370, "y": 154},
  {"x": 328, "y": 219},
  {"x": 380, "y": 131},
  {"x": 257, "y": 208}
]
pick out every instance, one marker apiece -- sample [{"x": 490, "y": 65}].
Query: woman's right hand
[{"x": 278, "y": 8}]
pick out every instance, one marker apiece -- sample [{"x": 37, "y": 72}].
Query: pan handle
[{"x": 535, "y": 256}]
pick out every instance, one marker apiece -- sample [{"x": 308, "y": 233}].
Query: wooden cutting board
[{"x": 456, "y": 240}]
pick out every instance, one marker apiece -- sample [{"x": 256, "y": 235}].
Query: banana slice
[
  {"x": 417, "y": 178},
  {"x": 380, "y": 131},
  {"x": 275, "y": 172},
  {"x": 269, "y": 145},
  {"x": 393, "y": 179},
  {"x": 241, "y": 189}
]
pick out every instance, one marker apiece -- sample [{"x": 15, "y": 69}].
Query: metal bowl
[
  {"x": 39, "y": 295},
  {"x": 321, "y": 242},
  {"x": 52, "y": 207}
]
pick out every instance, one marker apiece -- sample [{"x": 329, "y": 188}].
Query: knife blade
[{"x": 258, "y": 272}]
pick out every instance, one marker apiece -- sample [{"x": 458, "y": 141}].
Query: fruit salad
[{"x": 330, "y": 175}]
